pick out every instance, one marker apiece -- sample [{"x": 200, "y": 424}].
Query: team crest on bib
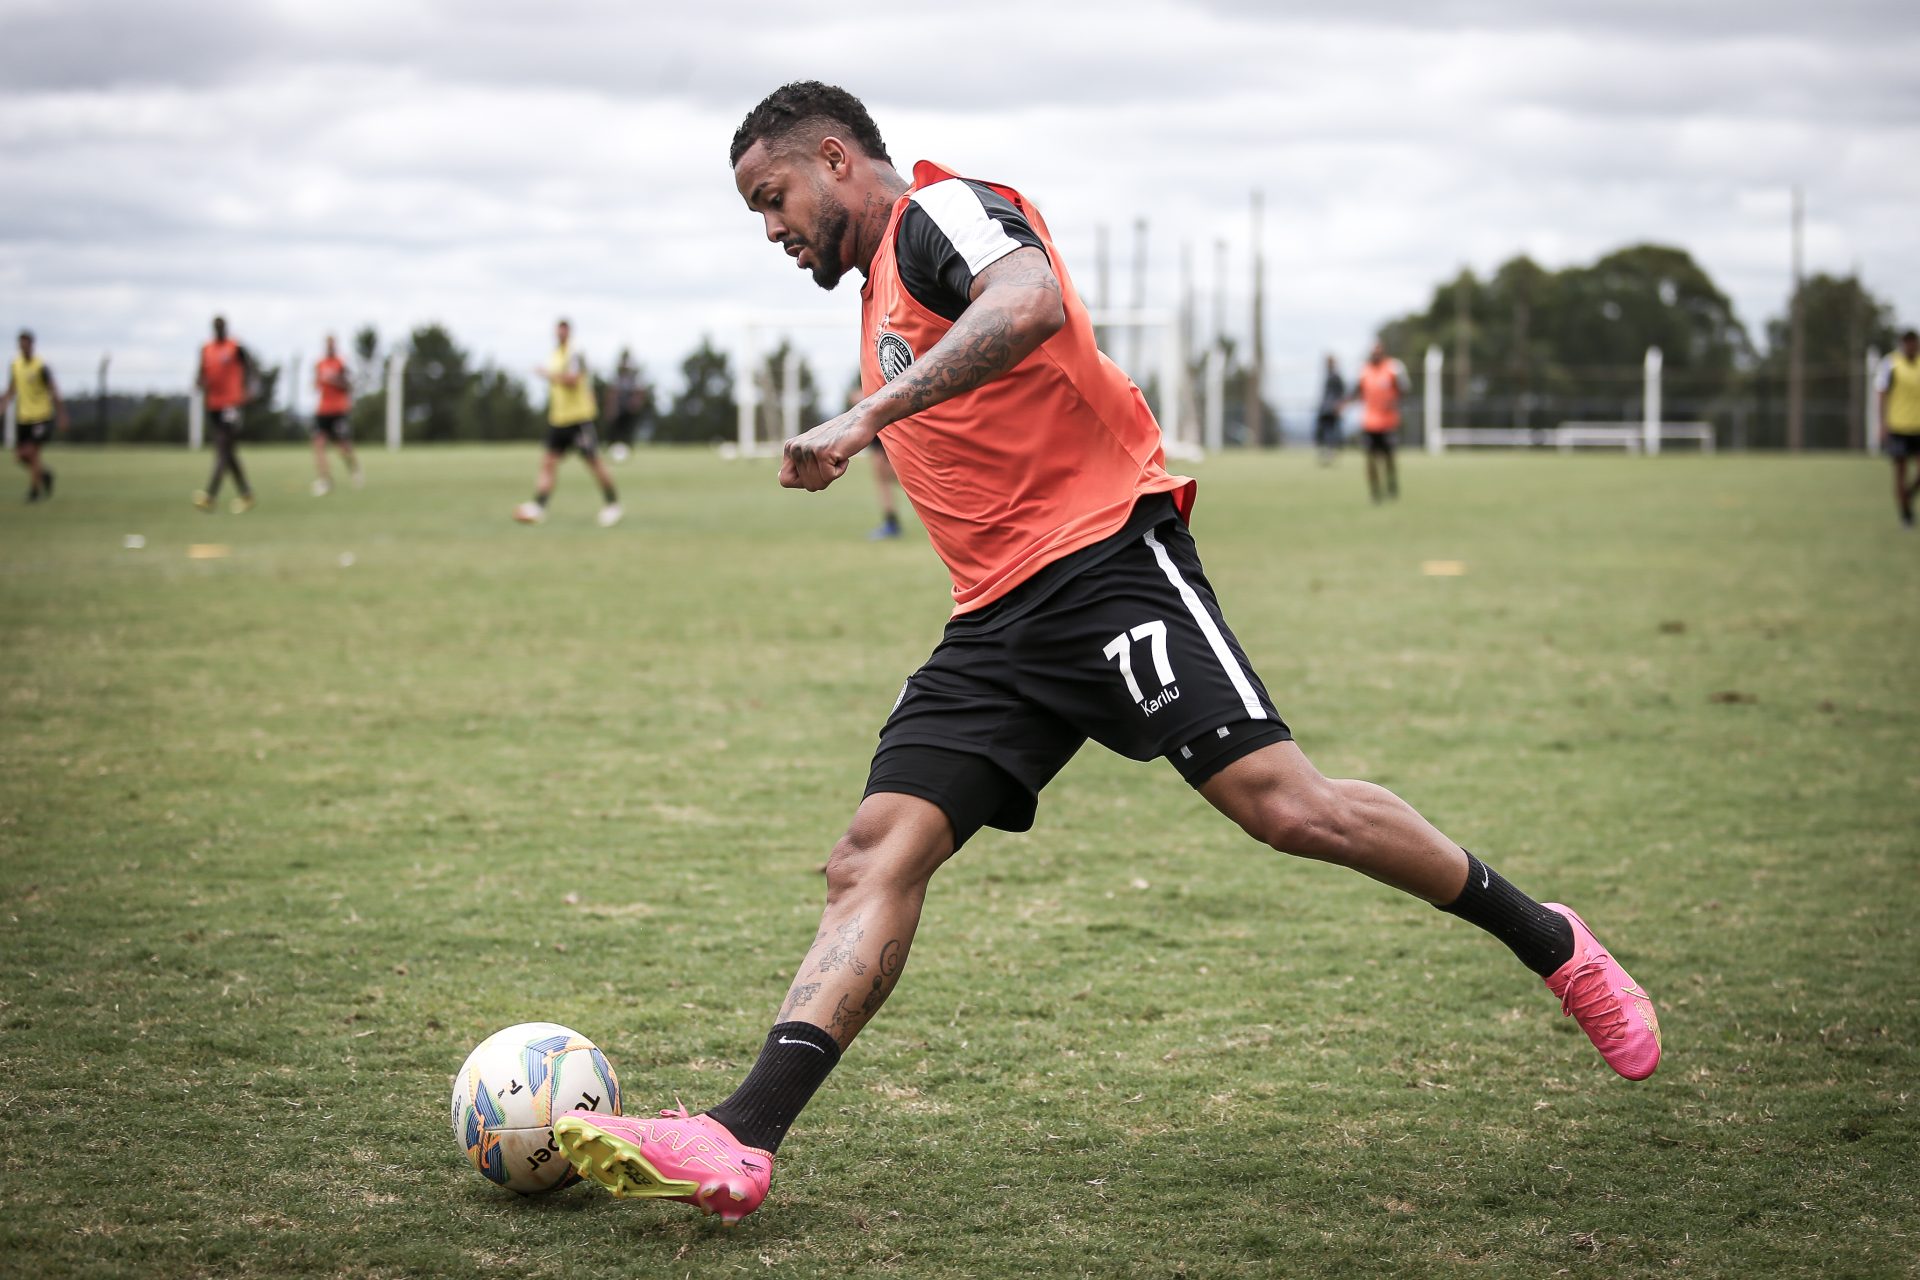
[{"x": 895, "y": 355}]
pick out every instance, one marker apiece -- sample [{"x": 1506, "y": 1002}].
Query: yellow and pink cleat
[
  {"x": 692, "y": 1159},
  {"x": 1615, "y": 1011}
]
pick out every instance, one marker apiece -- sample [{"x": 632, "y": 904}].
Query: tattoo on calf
[
  {"x": 799, "y": 998},
  {"x": 891, "y": 956},
  {"x": 841, "y": 954},
  {"x": 842, "y": 1016}
]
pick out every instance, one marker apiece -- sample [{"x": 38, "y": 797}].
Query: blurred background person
[
  {"x": 1382, "y": 384},
  {"x": 330, "y": 423},
  {"x": 1326, "y": 425},
  {"x": 226, "y": 369},
  {"x": 37, "y": 408},
  {"x": 627, "y": 401},
  {"x": 571, "y": 408},
  {"x": 1898, "y": 385}
]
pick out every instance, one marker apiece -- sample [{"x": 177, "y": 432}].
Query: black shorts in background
[
  {"x": 33, "y": 432},
  {"x": 579, "y": 436},
  {"x": 333, "y": 426},
  {"x": 1131, "y": 651},
  {"x": 1902, "y": 444},
  {"x": 1381, "y": 441}
]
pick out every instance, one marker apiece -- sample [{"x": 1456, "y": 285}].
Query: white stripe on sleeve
[
  {"x": 976, "y": 234},
  {"x": 1215, "y": 641}
]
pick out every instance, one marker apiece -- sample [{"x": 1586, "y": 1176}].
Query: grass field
[{"x": 282, "y": 836}]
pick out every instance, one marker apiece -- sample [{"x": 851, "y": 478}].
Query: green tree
[{"x": 703, "y": 409}]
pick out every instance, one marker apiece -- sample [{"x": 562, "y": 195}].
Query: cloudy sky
[{"x": 491, "y": 165}]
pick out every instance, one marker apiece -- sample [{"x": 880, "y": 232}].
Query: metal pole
[
  {"x": 1256, "y": 355},
  {"x": 1101, "y": 297},
  {"x": 1190, "y": 428},
  {"x": 789, "y": 391},
  {"x": 1797, "y": 347},
  {"x": 1650, "y": 402},
  {"x": 746, "y": 391},
  {"x": 11, "y": 424},
  {"x": 1216, "y": 429},
  {"x": 1873, "y": 401},
  {"x": 1171, "y": 365},
  {"x": 1139, "y": 292},
  {"x": 1462, "y": 343},
  {"x": 196, "y": 418},
  {"x": 293, "y": 388},
  {"x": 1430, "y": 425},
  {"x": 396, "y": 395},
  {"x": 100, "y": 395}
]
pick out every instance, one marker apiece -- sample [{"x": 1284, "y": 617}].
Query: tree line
[{"x": 1524, "y": 345}]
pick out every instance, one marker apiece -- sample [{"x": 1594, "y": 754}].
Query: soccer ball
[{"x": 508, "y": 1092}]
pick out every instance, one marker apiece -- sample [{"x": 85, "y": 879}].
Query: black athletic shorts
[
  {"x": 1130, "y": 650},
  {"x": 33, "y": 432},
  {"x": 333, "y": 426},
  {"x": 1381, "y": 441},
  {"x": 1902, "y": 444},
  {"x": 578, "y": 436}
]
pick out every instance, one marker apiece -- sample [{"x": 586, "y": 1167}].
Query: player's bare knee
[
  {"x": 874, "y": 854},
  {"x": 1308, "y": 822}
]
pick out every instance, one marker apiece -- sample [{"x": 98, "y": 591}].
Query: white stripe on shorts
[{"x": 1218, "y": 642}]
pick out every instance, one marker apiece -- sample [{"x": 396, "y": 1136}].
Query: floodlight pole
[
  {"x": 1216, "y": 419},
  {"x": 196, "y": 418},
  {"x": 790, "y": 391},
  {"x": 1873, "y": 401},
  {"x": 10, "y": 425},
  {"x": 1430, "y": 390},
  {"x": 746, "y": 391},
  {"x": 396, "y": 396},
  {"x": 1650, "y": 401}
]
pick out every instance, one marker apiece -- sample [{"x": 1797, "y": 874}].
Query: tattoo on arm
[{"x": 991, "y": 336}]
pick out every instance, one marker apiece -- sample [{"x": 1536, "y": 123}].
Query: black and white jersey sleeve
[{"x": 950, "y": 233}]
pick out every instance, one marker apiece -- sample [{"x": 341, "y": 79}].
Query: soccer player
[
  {"x": 570, "y": 414},
  {"x": 37, "y": 409},
  {"x": 1080, "y": 610},
  {"x": 627, "y": 398},
  {"x": 226, "y": 367},
  {"x": 1898, "y": 384},
  {"x": 1326, "y": 426},
  {"x": 330, "y": 425},
  {"x": 1380, "y": 387}
]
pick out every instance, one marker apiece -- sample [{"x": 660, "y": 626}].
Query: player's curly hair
[{"x": 791, "y": 108}]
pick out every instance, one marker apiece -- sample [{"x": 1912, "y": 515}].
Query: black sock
[
  {"x": 793, "y": 1063},
  {"x": 610, "y": 495},
  {"x": 1541, "y": 938},
  {"x": 540, "y": 499}
]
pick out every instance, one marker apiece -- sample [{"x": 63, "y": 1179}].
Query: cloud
[{"x": 491, "y": 165}]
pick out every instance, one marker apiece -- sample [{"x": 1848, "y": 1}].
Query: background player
[
  {"x": 37, "y": 408},
  {"x": 330, "y": 421},
  {"x": 1382, "y": 384},
  {"x": 225, "y": 370},
  {"x": 570, "y": 413},
  {"x": 1080, "y": 610},
  {"x": 628, "y": 398},
  {"x": 1898, "y": 384},
  {"x": 1326, "y": 424}
]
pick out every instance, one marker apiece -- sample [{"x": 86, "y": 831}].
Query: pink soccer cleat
[
  {"x": 1613, "y": 1009},
  {"x": 692, "y": 1159}
]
